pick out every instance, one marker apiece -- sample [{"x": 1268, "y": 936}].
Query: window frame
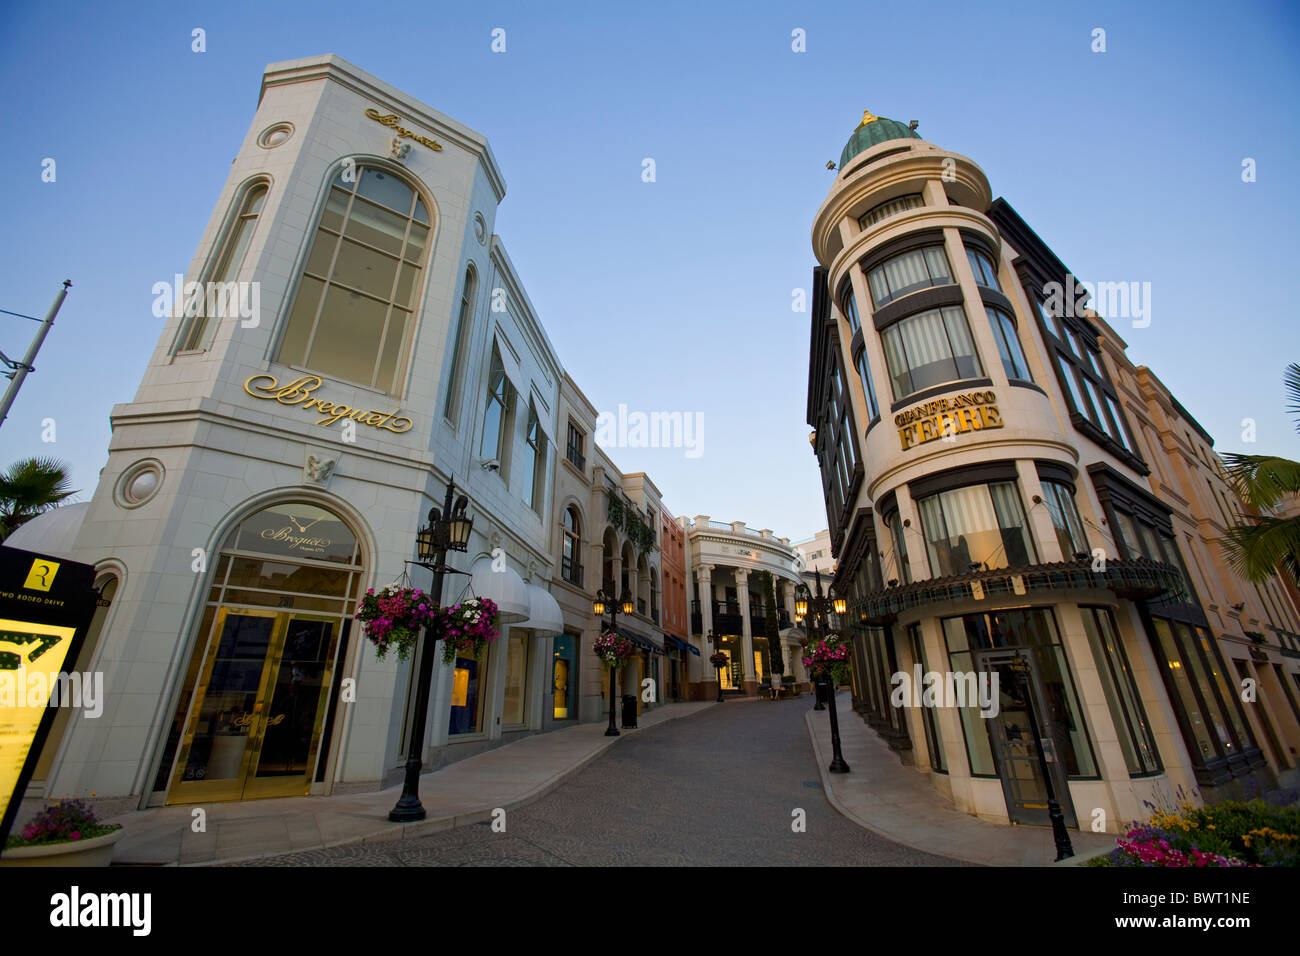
[
  {"x": 879, "y": 269},
  {"x": 896, "y": 329}
]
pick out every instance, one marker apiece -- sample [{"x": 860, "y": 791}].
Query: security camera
[{"x": 491, "y": 464}]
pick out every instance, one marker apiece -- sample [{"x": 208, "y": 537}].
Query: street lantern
[
  {"x": 819, "y": 608},
  {"x": 605, "y": 602},
  {"x": 448, "y": 530}
]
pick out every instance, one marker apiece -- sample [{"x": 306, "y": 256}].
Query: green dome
[{"x": 873, "y": 130}]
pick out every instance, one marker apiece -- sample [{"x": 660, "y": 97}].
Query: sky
[{"x": 679, "y": 294}]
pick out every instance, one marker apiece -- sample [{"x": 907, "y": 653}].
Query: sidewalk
[
  {"x": 884, "y": 796},
  {"x": 461, "y": 793}
]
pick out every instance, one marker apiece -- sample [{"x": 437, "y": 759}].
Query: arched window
[
  {"x": 199, "y": 326},
  {"x": 571, "y": 569},
  {"x": 354, "y": 315},
  {"x": 463, "y": 322}
]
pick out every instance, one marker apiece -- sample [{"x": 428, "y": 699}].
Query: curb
[{"x": 426, "y": 827}]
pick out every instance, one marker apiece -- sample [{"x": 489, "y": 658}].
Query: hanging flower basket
[
  {"x": 393, "y": 618},
  {"x": 828, "y": 658},
  {"x": 468, "y": 626},
  {"x": 614, "y": 649},
  {"x": 719, "y": 659}
]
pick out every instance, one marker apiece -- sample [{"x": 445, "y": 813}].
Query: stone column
[
  {"x": 1041, "y": 529},
  {"x": 705, "y": 596},
  {"x": 746, "y": 631},
  {"x": 618, "y": 579}
]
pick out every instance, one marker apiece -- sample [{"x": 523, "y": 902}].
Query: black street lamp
[
  {"x": 817, "y": 609},
  {"x": 605, "y": 601},
  {"x": 1020, "y": 667},
  {"x": 447, "y": 530}
]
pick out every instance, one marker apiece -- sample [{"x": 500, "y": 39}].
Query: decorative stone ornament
[
  {"x": 139, "y": 483},
  {"x": 400, "y": 150},
  {"x": 318, "y": 470}
]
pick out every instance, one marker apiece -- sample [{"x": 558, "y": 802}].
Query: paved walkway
[
  {"x": 888, "y": 798},
  {"x": 461, "y": 793},
  {"x": 735, "y": 785}
]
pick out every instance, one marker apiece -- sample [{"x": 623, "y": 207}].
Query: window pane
[
  {"x": 1067, "y": 376},
  {"x": 879, "y": 287},
  {"x": 897, "y": 361},
  {"x": 415, "y": 243},
  {"x": 1065, "y": 519},
  {"x": 1017, "y": 547},
  {"x": 963, "y": 349},
  {"x": 1118, "y": 431},
  {"x": 347, "y": 336},
  {"x": 1213, "y": 705},
  {"x": 322, "y": 254},
  {"x": 375, "y": 226},
  {"x": 851, "y": 311},
  {"x": 1013, "y": 359},
  {"x": 492, "y": 429},
  {"x": 386, "y": 189},
  {"x": 929, "y": 355},
  {"x": 974, "y": 727},
  {"x": 335, "y": 208},
  {"x": 293, "y": 351},
  {"x": 1186, "y": 697},
  {"x": 1135, "y": 736},
  {"x": 364, "y": 269},
  {"x": 938, "y": 265},
  {"x": 868, "y": 387},
  {"x": 390, "y": 359},
  {"x": 406, "y": 280}
]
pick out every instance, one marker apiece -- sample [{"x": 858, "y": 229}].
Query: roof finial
[{"x": 866, "y": 118}]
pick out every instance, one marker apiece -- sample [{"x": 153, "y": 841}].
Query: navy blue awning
[
  {"x": 641, "y": 641},
  {"x": 684, "y": 646}
]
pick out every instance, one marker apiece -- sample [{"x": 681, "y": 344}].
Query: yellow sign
[
  {"x": 947, "y": 417},
  {"x": 299, "y": 393},
  {"x": 41, "y": 576},
  {"x": 390, "y": 120},
  {"x": 40, "y": 650}
]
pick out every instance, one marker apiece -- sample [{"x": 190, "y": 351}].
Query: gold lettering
[
  {"x": 391, "y": 121},
  {"x": 298, "y": 392},
  {"x": 991, "y": 417}
]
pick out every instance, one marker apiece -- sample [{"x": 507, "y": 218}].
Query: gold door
[{"x": 254, "y": 728}]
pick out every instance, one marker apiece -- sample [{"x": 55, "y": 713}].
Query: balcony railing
[
  {"x": 571, "y": 571},
  {"x": 574, "y": 454}
]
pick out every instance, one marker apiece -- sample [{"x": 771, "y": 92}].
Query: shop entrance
[
  {"x": 255, "y": 728},
  {"x": 1015, "y": 744}
]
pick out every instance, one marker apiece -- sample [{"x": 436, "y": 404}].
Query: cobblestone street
[{"x": 718, "y": 788}]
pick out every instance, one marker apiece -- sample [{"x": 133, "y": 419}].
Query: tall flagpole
[{"x": 20, "y": 369}]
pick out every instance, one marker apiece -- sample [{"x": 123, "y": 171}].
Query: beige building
[{"x": 989, "y": 509}]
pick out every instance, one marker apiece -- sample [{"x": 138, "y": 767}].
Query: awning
[
  {"x": 52, "y": 532},
  {"x": 505, "y": 588},
  {"x": 683, "y": 646},
  {"x": 640, "y": 640},
  {"x": 544, "y": 615}
]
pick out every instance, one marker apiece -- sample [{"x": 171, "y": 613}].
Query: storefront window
[
  {"x": 1182, "y": 676},
  {"x": 980, "y": 525},
  {"x": 933, "y": 741},
  {"x": 974, "y": 727},
  {"x": 513, "y": 708},
  {"x": 1135, "y": 736},
  {"x": 564, "y": 676},
  {"x": 467, "y": 695}
]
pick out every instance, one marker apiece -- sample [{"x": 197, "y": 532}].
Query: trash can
[{"x": 629, "y": 711}]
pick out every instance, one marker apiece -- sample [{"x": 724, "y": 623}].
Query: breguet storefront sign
[
  {"x": 299, "y": 393},
  {"x": 391, "y": 120},
  {"x": 945, "y": 417}
]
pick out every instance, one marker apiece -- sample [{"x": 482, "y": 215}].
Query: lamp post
[
  {"x": 605, "y": 601},
  {"x": 447, "y": 530},
  {"x": 817, "y": 608},
  {"x": 1020, "y": 667}
]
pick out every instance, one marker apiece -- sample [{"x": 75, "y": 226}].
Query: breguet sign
[
  {"x": 391, "y": 121},
  {"x": 943, "y": 417},
  {"x": 299, "y": 393}
]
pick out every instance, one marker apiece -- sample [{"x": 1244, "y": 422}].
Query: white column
[
  {"x": 746, "y": 631},
  {"x": 704, "y": 595}
]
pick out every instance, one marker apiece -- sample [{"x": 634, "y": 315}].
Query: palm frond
[
  {"x": 1292, "y": 382},
  {"x": 1262, "y": 480},
  {"x": 1257, "y": 551}
]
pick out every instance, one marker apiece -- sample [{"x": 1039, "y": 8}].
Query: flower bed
[
  {"x": 64, "y": 821},
  {"x": 1233, "y": 833}
]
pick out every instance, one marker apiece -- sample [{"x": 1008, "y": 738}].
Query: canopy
[
  {"x": 544, "y": 615},
  {"x": 505, "y": 588}
]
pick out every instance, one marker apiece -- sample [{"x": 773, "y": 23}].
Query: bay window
[
  {"x": 909, "y": 272},
  {"x": 1065, "y": 519},
  {"x": 930, "y": 348},
  {"x": 980, "y": 525}
]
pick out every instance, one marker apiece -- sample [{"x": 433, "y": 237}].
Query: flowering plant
[
  {"x": 394, "y": 616},
  {"x": 1231, "y": 833},
  {"x": 468, "y": 626},
  {"x": 63, "y": 821},
  {"x": 719, "y": 659},
  {"x": 828, "y": 657},
  {"x": 614, "y": 649}
]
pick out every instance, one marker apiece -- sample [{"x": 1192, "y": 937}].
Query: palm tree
[
  {"x": 1256, "y": 550},
  {"x": 29, "y": 487}
]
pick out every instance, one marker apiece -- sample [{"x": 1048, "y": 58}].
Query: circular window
[
  {"x": 480, "y": 229},
  {"x": 139, "y": 483},
  {"x": 275, "y": 135}
]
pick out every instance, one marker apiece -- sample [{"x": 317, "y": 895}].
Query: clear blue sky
[{"x": 676, "y": 295}]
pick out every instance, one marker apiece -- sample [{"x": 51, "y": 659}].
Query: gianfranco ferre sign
[
  {"x": 299, "y": 393},
  {"x": 946, "y": 417}
]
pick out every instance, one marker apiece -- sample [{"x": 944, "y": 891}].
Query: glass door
[
  {"x": 254, "y": 729},
  {"x": 1015, "y": 745}
]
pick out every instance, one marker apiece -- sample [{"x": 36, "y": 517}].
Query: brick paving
[{"x": 718, "y": 788}]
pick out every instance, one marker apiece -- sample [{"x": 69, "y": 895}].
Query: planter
[{"x": 97, "y": 851}]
